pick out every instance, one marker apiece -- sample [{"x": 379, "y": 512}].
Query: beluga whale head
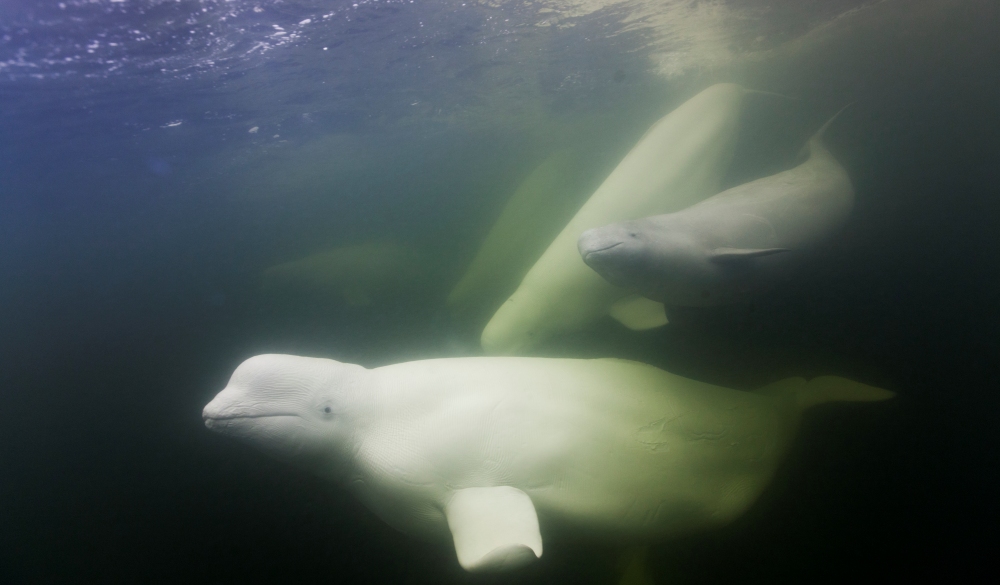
[
  {"x": 671, "y": 258},
  {"x": 614, "y": 251},
  {"x": 631, "y": 255},
  {"x": 296, "y": 408}
]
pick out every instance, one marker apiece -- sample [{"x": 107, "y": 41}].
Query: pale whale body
[
  {"x": 533, "y": 215},
  {"x": 493, "y": 452},
  {"x": 679, "y": 161},
  {"x": 730, "y": 247}
]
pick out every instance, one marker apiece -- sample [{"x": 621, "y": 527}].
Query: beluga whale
[
  {"x": 492, "y": 453},
  {"x": 732, "y": 246},
  {"x": 679, "y": 161}
]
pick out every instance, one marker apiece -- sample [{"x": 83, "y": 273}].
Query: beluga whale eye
[{"x": 327, "y": 409}]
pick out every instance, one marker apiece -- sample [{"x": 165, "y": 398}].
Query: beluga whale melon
[
  {"x": 492, "y": 453},
  {"x": 733, "y": 245},
  {"x": 679, "y": 161}
]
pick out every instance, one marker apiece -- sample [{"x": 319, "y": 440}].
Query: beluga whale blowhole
[
  {"x": 732, "y": 246},
  {"x": 493, "y": 453}
]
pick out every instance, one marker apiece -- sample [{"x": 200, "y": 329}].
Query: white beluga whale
[
  {"x": 731, "y": 246},
  {"x": 492, "y": 453},
  {"x": 679, "y": 161}
]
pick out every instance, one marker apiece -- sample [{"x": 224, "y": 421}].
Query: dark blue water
[{"x": 157, "y": 156}]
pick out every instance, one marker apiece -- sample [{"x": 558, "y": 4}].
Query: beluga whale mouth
[
  {"x": 595, "y": 241},
  {"x": 213, "y": 419},
  {"x": 587, "y": 254},
  {"x": 218, "y": 416},
  {"x": 230, "y": 415}
]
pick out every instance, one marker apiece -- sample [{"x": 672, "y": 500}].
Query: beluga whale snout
[
  {"x": 289, "y": 406},
  {"x": 611, "y": 250},
  {"x": 593, "y": 242}
]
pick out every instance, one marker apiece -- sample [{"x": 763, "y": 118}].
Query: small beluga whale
[
  {"x": 679, "y": 161},
  {"x": 732, "y": 246},
  {"x": 492, "y": 453}
]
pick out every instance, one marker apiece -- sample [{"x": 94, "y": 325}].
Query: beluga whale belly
[
  {"x": 491, "y": 453},
  {"x": 732, "y": 246},
  {"x": 679, "y": 161}
]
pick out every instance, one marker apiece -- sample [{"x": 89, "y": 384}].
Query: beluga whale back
[
  {"x": 732, "y": 246},
  {"x": 533, "y": 215},
  {"x": 491, "y": 453},
  {"x": 679, "y": 161}
]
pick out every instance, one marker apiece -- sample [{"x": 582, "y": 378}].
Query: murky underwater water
[{"x": 184, "y": 185}]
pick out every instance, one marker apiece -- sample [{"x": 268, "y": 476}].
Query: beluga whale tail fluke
[
  {"x": 490, "y": 453},
  {"x": 804, "y": 394},
  {"x": 732, "y": 246},
  {"x": 679, "y": 161}
]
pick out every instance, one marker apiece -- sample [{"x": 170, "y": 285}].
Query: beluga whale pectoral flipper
[
  {"x": 679, "y": 161},
  {"x": 732, "y": 246},
  {"x": 495, "y": 452},
  {"x": 494, "y": 528}
]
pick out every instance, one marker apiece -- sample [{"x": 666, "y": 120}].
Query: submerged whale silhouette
[
  {"x": 494, "y": 451},
  {"x": 357, "y": 274}
]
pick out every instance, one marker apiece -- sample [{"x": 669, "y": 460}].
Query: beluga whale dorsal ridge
[
  {"x": 494, "y": 452},
  {"x": 679, "y": 161},
  {"x": 731, "y": 246}
]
